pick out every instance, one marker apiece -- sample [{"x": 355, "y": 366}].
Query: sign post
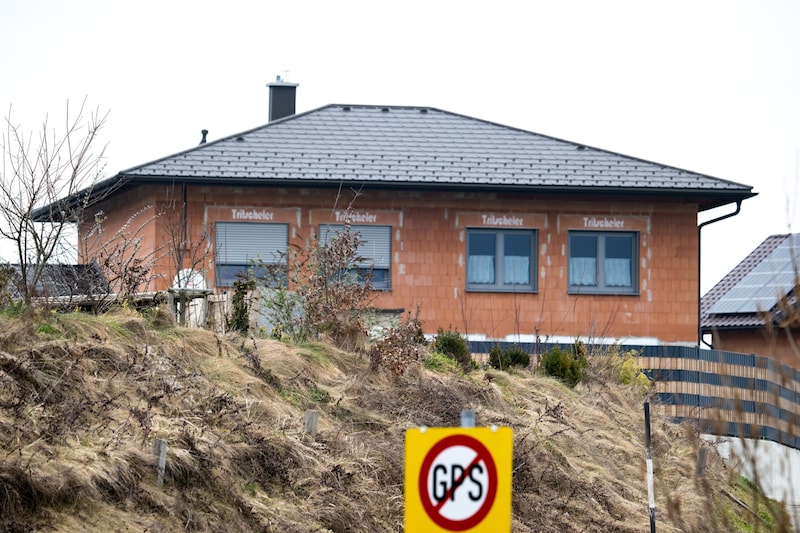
[{"x": 458, "y": 479}]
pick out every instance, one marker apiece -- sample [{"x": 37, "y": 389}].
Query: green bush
[
  {"x": 440, "y": 363},
  {"x": 503, "y": 358},
  {"x": 568, "y": 367},
  {"x": 453, "y": 345},
  {"x": 239, "y": 318},
  {"x": 630, "y": 373}
]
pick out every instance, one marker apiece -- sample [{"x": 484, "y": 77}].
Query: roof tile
[{"x": 406, "y": 145}]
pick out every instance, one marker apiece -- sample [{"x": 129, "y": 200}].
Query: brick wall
[
  {"x": 780, "y": 344},
  {"x": 429, "y": 258},
  {"x": 125, "y": 220}
]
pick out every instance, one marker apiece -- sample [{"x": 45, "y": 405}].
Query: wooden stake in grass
[
  {"x": 160, "y": 452},
  {"x": 310, "y": 422},
  {"x": 467, "y": 418}
]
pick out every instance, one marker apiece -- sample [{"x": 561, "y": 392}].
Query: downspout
[
  {"x": 185, "y": 209},
  {"x": 699, "y": 252}
]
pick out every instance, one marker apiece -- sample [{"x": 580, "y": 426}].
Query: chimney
[{"x": 282, "y": 96}]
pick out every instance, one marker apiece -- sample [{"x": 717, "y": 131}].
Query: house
[
  {"x": 501, "y": 233},
  {"x": 753, "y": 309}
]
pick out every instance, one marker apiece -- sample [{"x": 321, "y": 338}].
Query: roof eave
[
  {"x": 705, "y": 199},
  {"x": 717, "y": 197}
]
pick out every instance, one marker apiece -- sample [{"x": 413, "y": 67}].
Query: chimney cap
[{"x": 281, "y": 83}]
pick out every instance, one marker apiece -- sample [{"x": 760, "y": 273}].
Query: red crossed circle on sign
[{"x": 433, "y": 506}]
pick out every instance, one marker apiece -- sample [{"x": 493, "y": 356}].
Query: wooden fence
[{"x": 722, "y": 393}]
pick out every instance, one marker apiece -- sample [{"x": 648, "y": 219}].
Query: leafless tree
[
  {"x": 46, "y": 180},
  {"x": 189, "y": 253},
  {"x": 121, "y": 257}
]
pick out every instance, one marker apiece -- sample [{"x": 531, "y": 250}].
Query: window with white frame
[
  {"x": 242, "y": 247},
  {"x": 374, "y": 254},
  {"x": 501, "y": 260},
  {"x": 603, "y": 262}
]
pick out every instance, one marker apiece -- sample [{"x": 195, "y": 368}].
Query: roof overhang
[{"x": 705, "y": 200}]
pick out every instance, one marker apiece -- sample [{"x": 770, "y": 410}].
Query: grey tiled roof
[
  {"x": 59, "y": 280},
  {"x": 736, "y": 303},
  {"x": 415, "y": 147}
]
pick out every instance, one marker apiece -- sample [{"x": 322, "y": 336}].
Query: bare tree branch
[{"x": 49, "y": 170}]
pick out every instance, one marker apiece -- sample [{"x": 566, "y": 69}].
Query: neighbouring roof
[
  {"x": 421, "y": 147},
  {"x": 62, "y": 280},
  {"x": 762, "y": 287}
]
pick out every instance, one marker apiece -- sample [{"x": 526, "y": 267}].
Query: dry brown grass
[{"x": 82, "y": 398}]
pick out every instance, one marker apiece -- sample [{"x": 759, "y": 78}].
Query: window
[
  {"x": 239, "y": 244},
  {"x": 374, "y": 255},
  {"x": 501, "y": 260},
  {"x": 603, "y": 263}
]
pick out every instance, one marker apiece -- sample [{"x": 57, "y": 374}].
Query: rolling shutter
[
  {"x": 241, "y": 242},
  {"x": 376, "y": 248}
]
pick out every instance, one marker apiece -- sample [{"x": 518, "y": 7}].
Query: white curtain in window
[
  {"x": 480, "y": 269},
  {"x": 516, "y": 270},
  {"x": 618, "y": 272},
  {"x": 583, "y": 271}
]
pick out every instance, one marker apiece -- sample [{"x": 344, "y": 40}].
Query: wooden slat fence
[{"x": 722, "y": 393}]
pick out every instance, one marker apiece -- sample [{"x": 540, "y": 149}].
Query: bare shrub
[
  {"x": 121, "y": 255},
  {"x": 327, "y": 293},
  {"x": 611, "y": 365},
  {"x": 399, "y": 348},
  {"x": 53, "y": 170}
]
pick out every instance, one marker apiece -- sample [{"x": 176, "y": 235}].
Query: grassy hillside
[{"x": 82, "y": 398}]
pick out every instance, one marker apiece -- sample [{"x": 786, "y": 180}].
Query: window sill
[
  {"x": 502, "y": 290},
  {"x": 601, "y": 292}
]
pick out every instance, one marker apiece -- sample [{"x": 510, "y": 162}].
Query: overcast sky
[{"x": 709, "y": 86}]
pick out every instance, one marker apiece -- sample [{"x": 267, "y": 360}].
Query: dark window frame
[
  {"x": 499, "y": 285},
  {"x": 602, "y": 285}
]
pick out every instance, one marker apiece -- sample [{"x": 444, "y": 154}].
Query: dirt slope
[{"x": 83, "y": 398}]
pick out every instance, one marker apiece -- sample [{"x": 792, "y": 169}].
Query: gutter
[{"x": 699, "y": 255}]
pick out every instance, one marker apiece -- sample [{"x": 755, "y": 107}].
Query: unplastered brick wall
[
  {"x": 428, "y": 265},
  {"x": 124, "y": 219},
  {"x": 776, "y": 342}
]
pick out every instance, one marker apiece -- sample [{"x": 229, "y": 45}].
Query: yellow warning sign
[{"x": 458, "y": 479}]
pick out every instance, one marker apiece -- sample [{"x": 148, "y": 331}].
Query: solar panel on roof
[{"x": 762, "y": 287}]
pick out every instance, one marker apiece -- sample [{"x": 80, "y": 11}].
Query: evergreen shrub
[
  {"x": 452, "y": 344},
  {"x": 569, "y": 367},
  {"x": 503, "y": 358}
]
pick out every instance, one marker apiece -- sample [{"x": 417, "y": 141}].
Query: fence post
[
  {"x": 310, "y": 422},
  {"x": 160, "y": 453},
  {"x": 700, "y": 466},
  {"x": 650, "y": 488},
  {"x": 467, "y": 418}
]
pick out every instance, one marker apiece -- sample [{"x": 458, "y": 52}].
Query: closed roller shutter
[
  {"x": 376, "y": 248},
  {"x": 242, "y": 242}
]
